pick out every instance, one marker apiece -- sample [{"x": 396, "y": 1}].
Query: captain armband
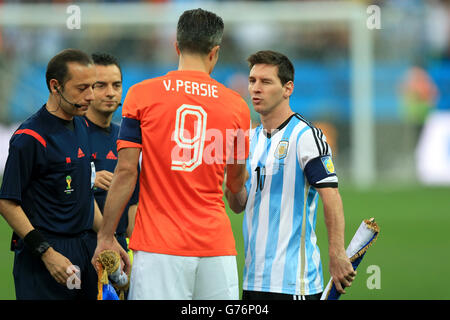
[{"x": 321, "y": 173}]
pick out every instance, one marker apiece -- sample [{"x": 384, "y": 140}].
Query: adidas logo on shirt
[
  {"x": 80, "y": 153},
  {"x": 111, "y": 155}
]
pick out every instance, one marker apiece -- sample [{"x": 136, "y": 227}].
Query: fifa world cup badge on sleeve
[{"x": 328, "y": 164}]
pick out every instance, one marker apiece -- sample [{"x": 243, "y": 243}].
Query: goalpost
[{"x": 362, "y": 167}]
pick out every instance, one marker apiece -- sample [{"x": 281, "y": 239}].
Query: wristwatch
[{"x": 41, "y": 248}]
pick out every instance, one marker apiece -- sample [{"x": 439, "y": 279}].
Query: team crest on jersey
[
  {"x": 328, "y": 164},
  {"x": 282, "y": 149}
]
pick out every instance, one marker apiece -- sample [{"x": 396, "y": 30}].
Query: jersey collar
[{"x": 280, "y": 127}]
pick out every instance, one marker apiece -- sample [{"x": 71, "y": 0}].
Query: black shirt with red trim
[
  {"x": 104, "y": 151},
  {"x": 50, "y": 173}
]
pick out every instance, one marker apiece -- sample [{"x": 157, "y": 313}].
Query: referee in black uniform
[
  {"x": 103, "y": 133},
  {"x": 46, "y": 194}
]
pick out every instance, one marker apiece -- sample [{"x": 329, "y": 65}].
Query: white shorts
[{"x": 166, "y": 277}]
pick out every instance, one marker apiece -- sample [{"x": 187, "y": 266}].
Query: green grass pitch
[{"x": 411, "y": 251}]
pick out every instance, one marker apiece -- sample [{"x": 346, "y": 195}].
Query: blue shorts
[{"x": 33, "y": 281}]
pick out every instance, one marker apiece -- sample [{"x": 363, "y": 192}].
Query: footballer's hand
[
  {"x": 109, "y": 243},
  {"x": 236, "y": 201},
  {"x": 341, "y": 270},
  {"x": 103, "y": 179},
  {"x": 58, "y": 265},
  {"x": 125, "y": 263}
]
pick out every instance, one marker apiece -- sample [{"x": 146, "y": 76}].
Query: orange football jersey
[{"x": 189, "y": 127}]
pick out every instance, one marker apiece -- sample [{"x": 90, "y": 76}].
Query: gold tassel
[
  {"x": 108, "y": 263},
  {"x": 110, "y": 260},
  {"x": 99, "y": 283},
  {"x": 104, "y": 278},
  {"x": 372, "y": 225}
]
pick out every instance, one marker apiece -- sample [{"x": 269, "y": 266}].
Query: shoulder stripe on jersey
[
  {"x": 319, "y": 138},
  {"x": 327, "y": 150},
  {"x": 313, "y": 129},
  {"x": 322, "y": 147},
  {"x": 324, "y": 143},
  {"x": 34, "y": 134}
]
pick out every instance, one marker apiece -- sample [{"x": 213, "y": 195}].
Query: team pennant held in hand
[
  {"x": 108, "y": 268},
  {"x": 364, "y": 237}
]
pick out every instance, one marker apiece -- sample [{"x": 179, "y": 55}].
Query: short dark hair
[
  {"x": 106, "y": 59},
  {"x": 57, "y": 66},
  {"x": 285, "y": 66},
  {"x": 198, "y": 31}
]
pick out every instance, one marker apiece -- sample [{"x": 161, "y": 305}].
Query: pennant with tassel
[
  {"x": 365, "y": 236},
  {"x": 108, "y": 268}
]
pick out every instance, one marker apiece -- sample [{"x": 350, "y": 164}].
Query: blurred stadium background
[{"x": 382, "y": 96}]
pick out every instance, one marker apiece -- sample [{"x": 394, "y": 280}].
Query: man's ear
[
  {"x": 213, "y": 53},
  {"x": 177, "y": 49},
  {"x": 288, "y": 89},
  {"x": 53, "y": 86}
]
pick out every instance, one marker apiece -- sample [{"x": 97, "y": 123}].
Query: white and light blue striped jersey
[{"x": 286, "y": 167}]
